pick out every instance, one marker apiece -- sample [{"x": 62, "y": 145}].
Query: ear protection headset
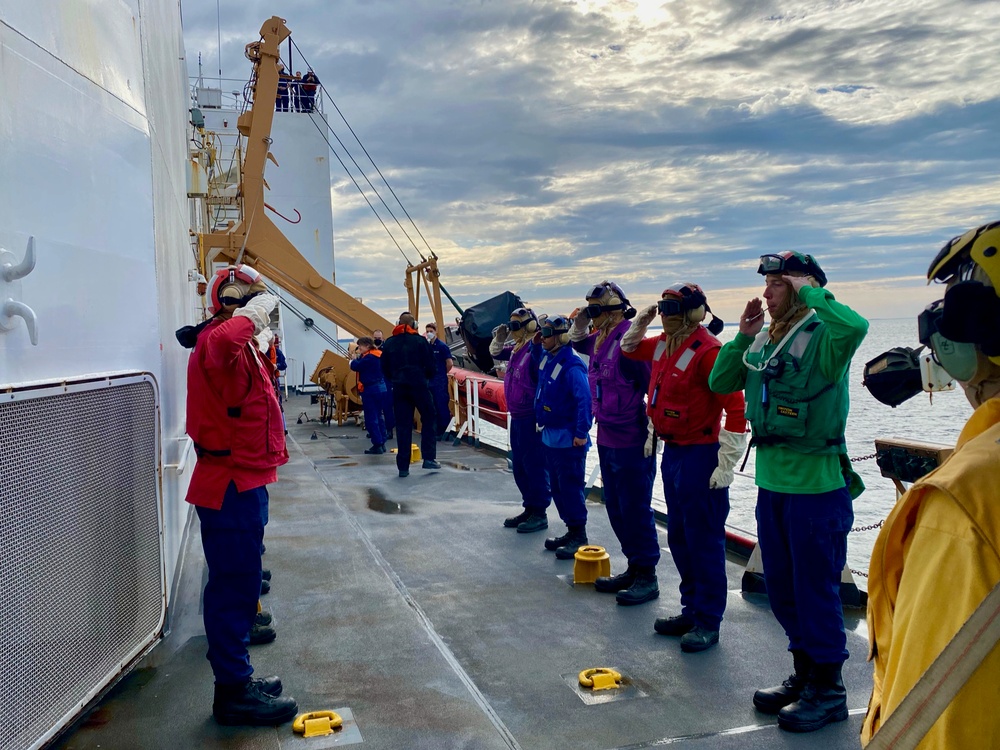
[
  {"x": 688, "y": 299},
  {"x": 556, "y": 326},
  {"x": 616, "y": 300},
  {"x": 231, "y": 286},
  {"x": 517, "y": 320},
  {"x": 970, "y": 311}
]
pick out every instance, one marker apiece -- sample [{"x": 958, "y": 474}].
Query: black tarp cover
[{"x": 478, "y": 322}]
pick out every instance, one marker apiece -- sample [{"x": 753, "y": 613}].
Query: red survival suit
[{"x": 233, "y": 415}]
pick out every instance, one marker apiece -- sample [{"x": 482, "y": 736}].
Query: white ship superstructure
[
  {"x": 299, "y": 191},
  {"x": 95, "y": 460}
]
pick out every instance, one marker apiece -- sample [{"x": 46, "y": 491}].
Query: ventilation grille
[{"x": 81, "y": 592}]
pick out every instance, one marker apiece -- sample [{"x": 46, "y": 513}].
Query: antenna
[{"x": 218, "y": 25}]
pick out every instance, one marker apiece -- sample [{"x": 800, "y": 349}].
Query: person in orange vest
[
  {"x": 371, "y": 384},
  {"x": 698, "y": 454}
]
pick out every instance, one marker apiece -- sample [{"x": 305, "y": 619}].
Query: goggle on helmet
[
  {"x": 789, "y": 261},
  {"x": 555, "y": 326},
  {"x": 523, "y": 317},
  {"x": 611, "y": 289},
  {"x": 681, "y": 298}
]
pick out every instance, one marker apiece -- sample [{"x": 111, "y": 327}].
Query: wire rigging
[{"x": 379, "y": 171}]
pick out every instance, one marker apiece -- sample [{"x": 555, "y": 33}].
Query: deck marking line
[
  {"x": 722, "y": 733},
  {"x": 425, "y": 621}
]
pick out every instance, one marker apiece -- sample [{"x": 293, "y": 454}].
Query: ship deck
[{"x": 404, "y": 605}]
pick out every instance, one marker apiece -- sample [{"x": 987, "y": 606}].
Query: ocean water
[{"x": 937, "y": 419}]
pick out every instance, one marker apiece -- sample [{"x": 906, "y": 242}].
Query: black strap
[
  {"x": 200, "y": 451},
  {"x": 234, "y": 412}
]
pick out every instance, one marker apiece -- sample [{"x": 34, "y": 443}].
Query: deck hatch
[{"x": 79, "y": 546}]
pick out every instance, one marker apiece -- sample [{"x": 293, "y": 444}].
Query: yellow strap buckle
[
  {"x": 600, "y": 678},
  {"x": 317, "y": 723}
]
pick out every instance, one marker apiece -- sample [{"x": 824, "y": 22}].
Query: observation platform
[{"x": 406, "y": 607}]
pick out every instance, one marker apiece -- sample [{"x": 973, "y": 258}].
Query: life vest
[
  {"x": 615, "y": 400},
  {"x": 798, "y": 408},
  {"x": 683, "y": 409},
  {"x": 555, "y": 401},
  {"x": 237, "y": 421},
  {"x": 519, "y": 382}
]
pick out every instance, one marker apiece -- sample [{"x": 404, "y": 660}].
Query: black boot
[
  {"x": 534, "y": 522},
  {"x": 270, "y": 685},
  {"x": 260, "y": 634},
  {"x": 514, "y": 521},
  {"x": 265, "y": 587},
  {"x": 643, "y": 589},
  {"x": 249, "y": 704},
  {"x": 773, "y": 699},
  {"x": 576, "y": 538},
  {"x": 263, "y": 618},
  {"x": 555, "y": 542},
  {"x": 823, "y": 700},
  {"x": 614, "y": 584}
]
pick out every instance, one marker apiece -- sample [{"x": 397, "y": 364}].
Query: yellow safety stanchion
[{"x": 591, "y": 563}]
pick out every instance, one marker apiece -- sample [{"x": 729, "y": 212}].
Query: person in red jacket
[
  {"x": 235, "y": 421},
  {"x": 698, "y": 455}
]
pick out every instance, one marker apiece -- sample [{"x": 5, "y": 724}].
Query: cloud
[{"x": 541, "y": 146}]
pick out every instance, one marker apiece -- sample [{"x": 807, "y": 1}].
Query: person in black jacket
[{"x": 408, "y": 362}]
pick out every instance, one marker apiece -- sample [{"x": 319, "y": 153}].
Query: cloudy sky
[{"x": 543, "y": 146}]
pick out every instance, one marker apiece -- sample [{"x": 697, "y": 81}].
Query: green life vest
[{"x": 789, "y": 400}]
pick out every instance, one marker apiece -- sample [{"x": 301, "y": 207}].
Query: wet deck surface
[{"x": 405, "y": 602}]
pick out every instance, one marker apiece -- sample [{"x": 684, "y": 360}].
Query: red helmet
[{"x": 232, "y": 283}]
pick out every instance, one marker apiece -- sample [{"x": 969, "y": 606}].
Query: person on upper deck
[
  {"x": 407, "y": 360},
  {"x": 307, "y": 90},
  {"x": 527, "y": 454},
  {"x": 235, "y": 421},
  {"x": 372, "y": 388},
  {"x": 617, "y": 390},
  {"x": 284, "y": 83},
  {"x": 443, "y": 363},
  {"x": 794, "y": 374},
  {"x": 562, "y": 410},
  {"x": 937, "y": 555},
  {"x": 698, "y": 454}
]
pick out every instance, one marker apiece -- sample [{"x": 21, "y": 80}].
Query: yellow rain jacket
[{"x": 935, "y": 560}]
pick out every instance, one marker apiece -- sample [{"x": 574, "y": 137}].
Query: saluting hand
[
  {"x": 797, "y": 282},
  {"x": 752, "y": 319}
]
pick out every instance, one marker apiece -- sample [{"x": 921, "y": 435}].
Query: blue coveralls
[
  {"x": 439, "y": 384},
  {"x": 618, "y": 388},
  {"x": 373, "y": 396},
  {"x": 562, "y": 408},
  {"x": 527, "y": 453},
  {"x": 696, "y": 518},
  {"x": 231, "y": 538}
]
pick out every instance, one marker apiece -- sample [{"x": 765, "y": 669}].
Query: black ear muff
[
  {"x": 629, "y": 313},
  {"x": 971, "y": 315},
  {"x": 716, "y": 326}
]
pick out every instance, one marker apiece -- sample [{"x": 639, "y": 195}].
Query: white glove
[
  {"x": 258, "y": 310},
  {"x": 499, "y": 339},
  {"x": 263, "y": 339},
  {"x": 649, "y": 448},
  {"x": 581, "y": 326},
  {"x": 731, "y": 447},
  {"x": 637, "y": 330}
]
